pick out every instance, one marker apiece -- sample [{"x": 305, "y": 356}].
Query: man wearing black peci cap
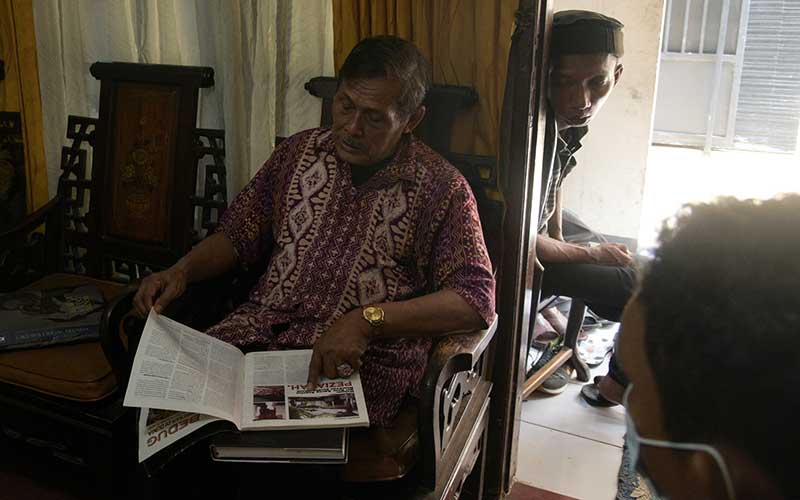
[{"x": 585, "y": 66}]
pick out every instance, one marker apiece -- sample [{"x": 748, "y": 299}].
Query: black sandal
[{"x": 591, "y": 394}]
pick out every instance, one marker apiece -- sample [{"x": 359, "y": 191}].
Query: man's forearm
[
  {"x": 438, "y": 313},
  {"x": 211, "y": 257},
  {"x": 554, "y": 227},
  {"x": 551, "y": 250}
]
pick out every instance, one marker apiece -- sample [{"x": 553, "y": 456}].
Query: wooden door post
[{"x": 521, "y": 154}]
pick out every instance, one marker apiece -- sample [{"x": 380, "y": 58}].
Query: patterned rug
[{"x": 630, "y": 485}]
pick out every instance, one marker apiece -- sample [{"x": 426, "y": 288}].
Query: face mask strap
[
  {"x": 697, "y": 447},
  {"x": 684, "y": 447}
]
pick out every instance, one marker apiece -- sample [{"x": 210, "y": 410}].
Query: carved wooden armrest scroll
[
  {"x": 121, "y": 328},
  {"x": 119, "y": 335},
  {"x": 202, "y": 304},
  {"x": 454, "y": 373}
]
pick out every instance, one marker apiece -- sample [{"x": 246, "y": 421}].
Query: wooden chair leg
[{"x": 576, "y": 312}]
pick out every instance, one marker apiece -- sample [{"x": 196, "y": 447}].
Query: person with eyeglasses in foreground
[{"x": 711, "y": 345}]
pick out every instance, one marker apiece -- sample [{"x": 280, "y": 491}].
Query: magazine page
[
  {"x": 161, "y": 428},
  {"x": 275, "y": 382},
  {"x": 178, "y": 368}
]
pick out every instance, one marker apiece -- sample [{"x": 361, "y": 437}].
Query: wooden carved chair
[
  {"x": 433, "y": 446},
  {"x": 155, "y": 185}
]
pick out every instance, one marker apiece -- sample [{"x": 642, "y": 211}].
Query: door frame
[{"x": 521, "y": 156}]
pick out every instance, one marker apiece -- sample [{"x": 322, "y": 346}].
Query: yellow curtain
[
  {"x": 466, "y": 41},
  {"x": 20, "y": 91}
]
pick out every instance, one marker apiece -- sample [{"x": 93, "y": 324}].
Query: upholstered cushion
[
  {"x": 384, "y": 453},
  {"x": 78, "y": 372}
]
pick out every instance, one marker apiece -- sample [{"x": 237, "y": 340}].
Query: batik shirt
[{"x": 411, "y": 229}]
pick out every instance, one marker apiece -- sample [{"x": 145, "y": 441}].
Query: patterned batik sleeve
[
  {"x": 248, "y": 220},
  {"x": 460, "y": 261}
]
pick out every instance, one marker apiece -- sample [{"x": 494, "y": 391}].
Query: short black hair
[
  {"x": 722, "y": 305},
  {"x": 390, "y": 57}
]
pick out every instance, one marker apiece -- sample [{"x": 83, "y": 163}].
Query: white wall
[
  {"x": 607, "y": 186},
  {"x": 721, "y": 173}
]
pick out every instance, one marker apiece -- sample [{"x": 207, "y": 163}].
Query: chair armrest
[
  {"x": 458, "y": 351},
  {"x": 452, "y": 357},
  {"x": 29, "y": 223},
  {"x": 26, "y": 257},
  {"x": 119, "y": 349},
  {"x": 199, "y": 307}
]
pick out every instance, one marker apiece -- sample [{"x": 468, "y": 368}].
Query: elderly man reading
[{"x": 373, "y": 240}]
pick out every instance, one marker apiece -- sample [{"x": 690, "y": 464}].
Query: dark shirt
[{"x": 567, "y": 143}]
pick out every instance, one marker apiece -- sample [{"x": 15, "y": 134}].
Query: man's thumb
[{"x": 165, "y": 298}]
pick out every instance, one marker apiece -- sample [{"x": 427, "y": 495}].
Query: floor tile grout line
[{"x": 572, "y": 434}]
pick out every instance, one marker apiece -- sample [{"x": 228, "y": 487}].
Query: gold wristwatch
[{"x": 374, "y": 316}]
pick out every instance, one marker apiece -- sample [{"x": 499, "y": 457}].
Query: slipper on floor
[
  {"x": 595, "y": 347},
  {"x": 591, "y": 394}
]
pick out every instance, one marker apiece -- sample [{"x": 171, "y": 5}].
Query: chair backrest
[
  {"x": 443, "y": 103},
  {"x": 153, "y": 173}
]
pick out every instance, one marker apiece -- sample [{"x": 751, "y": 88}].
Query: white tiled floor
[{"x": 569, "y": 447}]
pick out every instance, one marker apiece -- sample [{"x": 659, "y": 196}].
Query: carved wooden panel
[
  {"x": 142, "y": 158},
  {"x": 454, "y": 399},
  {"x": 211, "y": 196},
  {"x": 12, "y": 170},
  {"x": 75, "y": 186}
]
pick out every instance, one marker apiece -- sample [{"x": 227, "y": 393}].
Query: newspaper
[
  {"x": 197, "y": 379},
  {"x": 160, "y": 428}
]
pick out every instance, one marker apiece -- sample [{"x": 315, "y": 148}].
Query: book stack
[
  {"x": 259, "y": 404},
  {"x": 42, "y": 318}
]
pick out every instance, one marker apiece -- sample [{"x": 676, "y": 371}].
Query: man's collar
[
  {"x": 571, "y": 138},
  {"x": 403, "y": 166}
]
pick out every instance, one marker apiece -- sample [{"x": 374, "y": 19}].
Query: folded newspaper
[{"x": 184, "y": 379}]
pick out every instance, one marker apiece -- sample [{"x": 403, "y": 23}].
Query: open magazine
[{"x": 184, "y": 379}]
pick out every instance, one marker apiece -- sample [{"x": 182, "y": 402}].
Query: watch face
[{"x": 373, "y": 314}]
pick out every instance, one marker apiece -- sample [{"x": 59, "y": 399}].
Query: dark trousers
[{"x": 605, "y": 289}]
